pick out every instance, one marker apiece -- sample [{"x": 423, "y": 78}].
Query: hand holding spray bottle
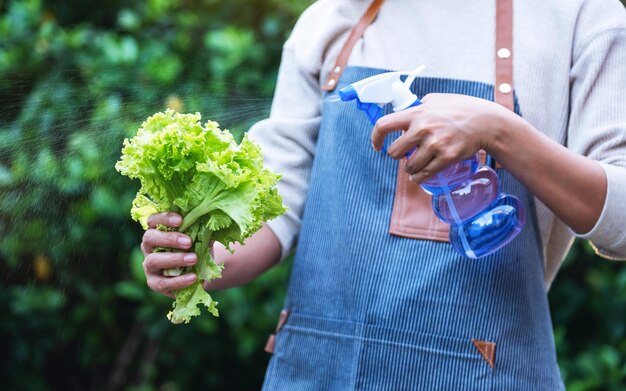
[{"x": 466, "y": 194}]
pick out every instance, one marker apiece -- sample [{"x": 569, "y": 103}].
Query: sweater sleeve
[
  {"x": 287, "y": 139},
  {"x": 598, "y": 116}
]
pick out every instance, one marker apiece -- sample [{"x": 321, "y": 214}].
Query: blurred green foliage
[{"x": 76, "y": 78}]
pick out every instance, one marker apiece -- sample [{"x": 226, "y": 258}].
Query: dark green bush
[{"x": 76, "y": 78}]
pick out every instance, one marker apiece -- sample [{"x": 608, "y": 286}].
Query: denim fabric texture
[{"x": 372, "y": 311}]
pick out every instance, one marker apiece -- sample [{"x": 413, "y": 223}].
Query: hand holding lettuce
[{"x": 219, "y": 187}]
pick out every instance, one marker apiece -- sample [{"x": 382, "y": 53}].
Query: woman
[{"x": 377, "y": 298}]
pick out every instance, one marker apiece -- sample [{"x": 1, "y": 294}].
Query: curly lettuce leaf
[
  {"x": 221, "y": 189},
  {"x": 187, "y": 301}
]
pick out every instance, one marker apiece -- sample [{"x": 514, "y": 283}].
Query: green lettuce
[{"x": 221, "y": 189}]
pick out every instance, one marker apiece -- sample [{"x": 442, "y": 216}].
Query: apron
[
  {"x": 372, "y": 311},
  {"x": 367, "y": 310}
]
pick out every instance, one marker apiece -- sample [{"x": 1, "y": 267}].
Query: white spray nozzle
[
  {"x": 384, "y": 88},
  {"x": 401, "y": 92},
  {"x": 402, "y": 96},
  {"x": 411, "y": 76}
]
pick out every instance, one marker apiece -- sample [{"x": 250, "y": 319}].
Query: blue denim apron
[{"x": 372, "y": 311}]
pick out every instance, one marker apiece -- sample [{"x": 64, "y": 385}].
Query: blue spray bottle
[{"x": 466, "y": 194}]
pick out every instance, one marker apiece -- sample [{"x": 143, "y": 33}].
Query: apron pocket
[
  {"x": 306, "y": 359},
  {"x": 422, "y": 362},
  {"x": 324, "y": 354}
]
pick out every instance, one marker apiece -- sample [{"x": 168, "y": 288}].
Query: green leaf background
[{"x": 78, "y": 77}]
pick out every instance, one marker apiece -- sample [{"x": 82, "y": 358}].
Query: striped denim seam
[{"x": 409, "y": 346}]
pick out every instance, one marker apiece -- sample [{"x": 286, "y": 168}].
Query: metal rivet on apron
[
  {"x": 504, "y": 53},
  {"x": 331, "y": 82},
  {"x": 337, "y": 69},
  {"x": 505, "y": 88}
]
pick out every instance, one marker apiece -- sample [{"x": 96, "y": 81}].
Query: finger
[
  {"x": 418, "y": 160},
  {"x": 169, "y": 239},
  {"x": 154, "y": 263},
  {"x": 145, "y": 249},
  {"x": 427, "y": 171},
  {"x": 169, "y": 219},
  {"x": 166, "y": 285},
  {"x": 389, "y": 124},
  {"x": 408, "y": 142}
]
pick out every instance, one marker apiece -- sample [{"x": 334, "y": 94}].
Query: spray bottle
[{"x": 466, "y": 194}]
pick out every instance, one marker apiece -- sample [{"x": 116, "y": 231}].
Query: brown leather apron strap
[
  {"x": 503, "y": 87},
  {"x": 503, "y": 92},
  {"x": 355, "y": 34}
]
